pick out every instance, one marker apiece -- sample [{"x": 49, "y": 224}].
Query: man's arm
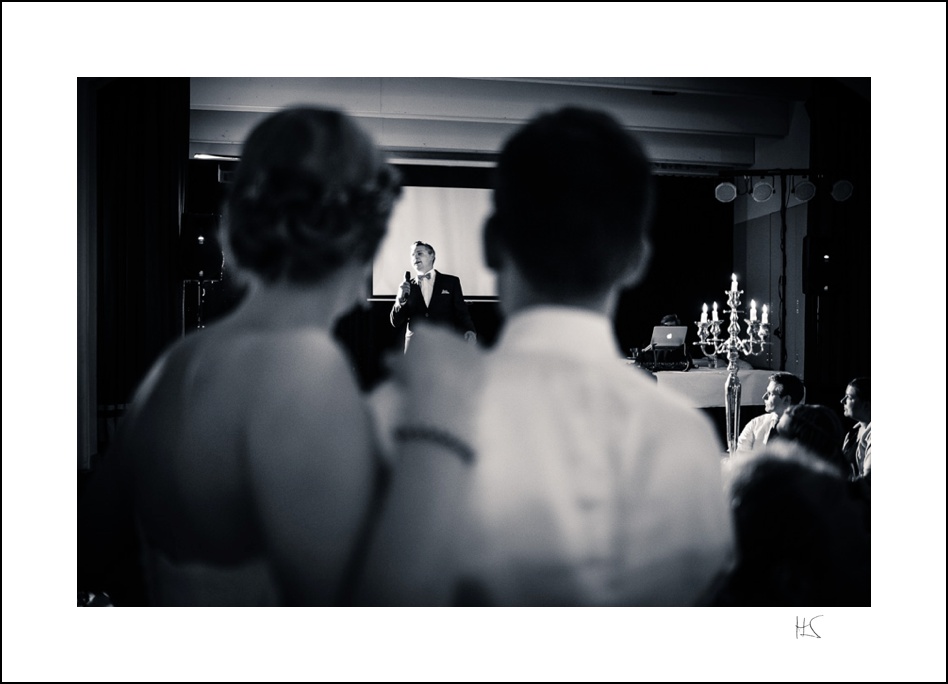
[
  {"x": 412, "y": 557},
  {"x": 401, "y": 312}
]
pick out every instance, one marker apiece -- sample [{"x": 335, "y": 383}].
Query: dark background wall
[{"x": 692, "y": 260}]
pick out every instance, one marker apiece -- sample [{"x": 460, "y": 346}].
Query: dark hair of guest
[
  {"x": 862, "y": 388},
  {"x": 789, "y": 385},
  {"x": 311, "y": 193},
  {"x": 572, "y": 200},
  {"x": 816, "y": 428}
]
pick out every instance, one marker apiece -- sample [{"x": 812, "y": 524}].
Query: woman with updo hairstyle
[
  {"x": 247, "y": 461},
  {"x": 311, "y": 193}
]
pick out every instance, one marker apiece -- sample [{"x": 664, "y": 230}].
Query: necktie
[{"x": 426, "y": 276}]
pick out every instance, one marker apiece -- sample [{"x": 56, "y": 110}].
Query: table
[{"x": 704, "y": 387}]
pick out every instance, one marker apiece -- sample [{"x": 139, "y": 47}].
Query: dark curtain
[
  {"x": 836, "y": 263},
  {"x": 142, "y": 151}
]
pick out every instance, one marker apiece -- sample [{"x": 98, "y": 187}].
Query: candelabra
[{"x": 711, "y": 343}]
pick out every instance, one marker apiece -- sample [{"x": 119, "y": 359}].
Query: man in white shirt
[
  {"x": 565, "y": 477},
  {"x": 783, "y": 391}
]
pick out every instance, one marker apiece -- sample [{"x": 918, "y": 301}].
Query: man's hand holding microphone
[{"x": 404, "y": 288}]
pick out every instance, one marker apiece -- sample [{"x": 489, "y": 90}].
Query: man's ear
[{"x": 491, "y": 244}]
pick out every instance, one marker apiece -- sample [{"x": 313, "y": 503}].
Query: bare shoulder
[
  {"x": 305, "y": 370},
  {"x": 308, "y": 423}
]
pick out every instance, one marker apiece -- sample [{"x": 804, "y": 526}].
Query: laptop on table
[{"x": 668, "y": 336}]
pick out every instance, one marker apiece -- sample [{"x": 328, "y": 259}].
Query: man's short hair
[
  {"x": 572, "y": 201},
  {"x": 418, "y": 243},
  {"x": 789, "y": 385}
]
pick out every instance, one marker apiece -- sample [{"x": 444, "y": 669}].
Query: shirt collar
[{"x": 561, "y": 330}]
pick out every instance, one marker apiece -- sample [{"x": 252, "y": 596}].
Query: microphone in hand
[{"x": 404, "y": 288}]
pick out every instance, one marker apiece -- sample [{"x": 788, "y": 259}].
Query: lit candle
[
  {"x": 714, "y": 312},
  {"x": 753, "y": 310},
  {"x": 764, "y": 319},
  {"x": 733, "y": 282},
  {"x": 704, "y": 312}
]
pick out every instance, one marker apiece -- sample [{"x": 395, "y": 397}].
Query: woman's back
[
  {"x": 248, "y": 445},
  {"x": 247, "y": 460}
]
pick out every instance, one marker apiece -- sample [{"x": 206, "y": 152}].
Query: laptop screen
[{"x": 668, "y": 335}]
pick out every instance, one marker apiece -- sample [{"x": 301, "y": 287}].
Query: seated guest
[
  {"x": 783, "y": 390},
  {"x": 246, "y": 461},
  {"x": 817, "y": 429},
  {"x": 538, "y": 475},
  {"x": 857, "y": 445},
  {"x": 801, "y": 536}
]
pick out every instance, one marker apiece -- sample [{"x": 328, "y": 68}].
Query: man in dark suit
[{"x": 430, "y": 296}]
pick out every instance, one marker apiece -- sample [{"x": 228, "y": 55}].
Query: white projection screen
[{"x": 450, "y": 219}]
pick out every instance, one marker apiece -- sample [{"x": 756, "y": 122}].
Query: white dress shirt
[
  {"x": 864, "y": 450},
  {"x": 427, "y": 286},
  {"x": 592, "y": 485},
  {"x": 757, "y": 432}
]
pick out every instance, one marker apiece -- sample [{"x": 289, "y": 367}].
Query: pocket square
[{"x": 445, "y": 292}]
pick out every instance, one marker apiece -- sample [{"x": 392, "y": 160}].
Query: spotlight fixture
[
  {"x": 804, "y": 191},
  {"x": 725, "y": 192},
  {"x": 842, "y": 190},
  {"x": 762, "y": 191}
]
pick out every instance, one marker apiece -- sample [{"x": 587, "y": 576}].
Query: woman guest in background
[
  {"x": 247, "y": 460},
  {"x": 857, "y": 444},
  {"x": 819, "y": 431}
]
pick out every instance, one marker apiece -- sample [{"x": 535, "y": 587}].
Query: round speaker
[
  {"x": 763, "y": 191},
  {"x": 725, "y": 192},
  {"x": 842, "y": 190},
  {"x": 804, "y": 191}
]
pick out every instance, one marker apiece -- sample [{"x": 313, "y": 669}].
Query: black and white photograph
[{"x": 490, "y": 365}]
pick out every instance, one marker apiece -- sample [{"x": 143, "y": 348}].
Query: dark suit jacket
[{"x": 447, "y": 305}]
